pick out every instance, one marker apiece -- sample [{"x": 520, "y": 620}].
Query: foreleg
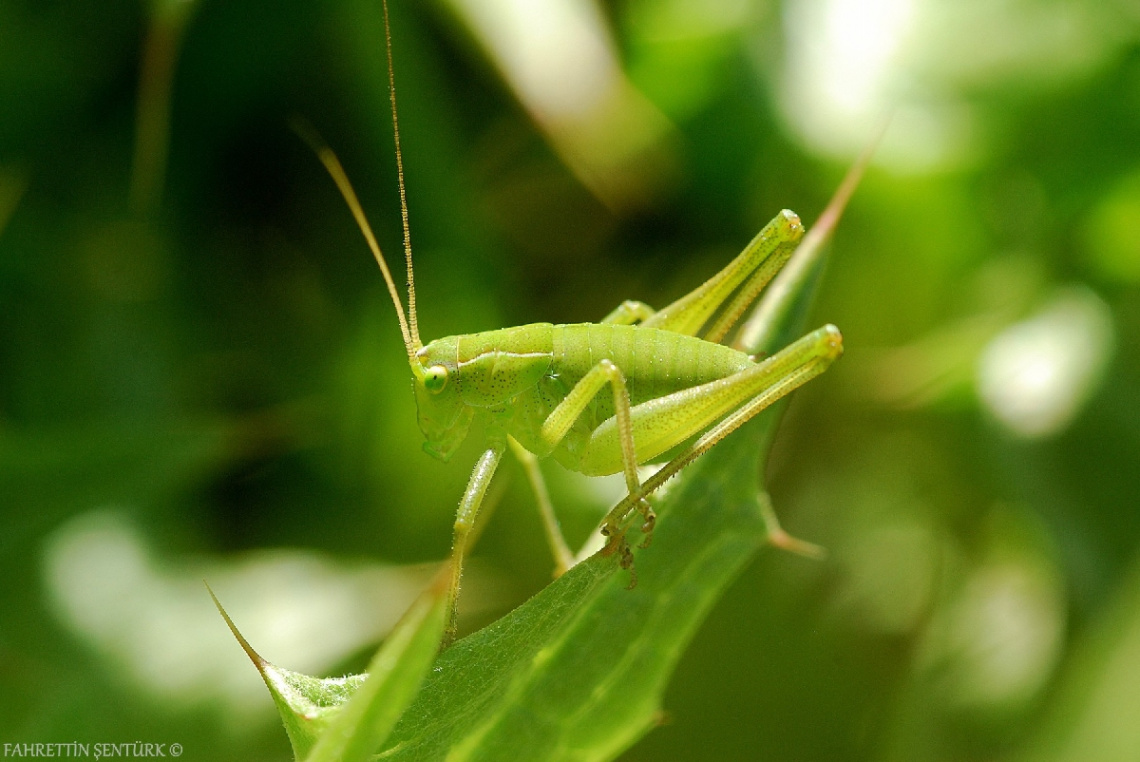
[{"x": 465, "y": 518}]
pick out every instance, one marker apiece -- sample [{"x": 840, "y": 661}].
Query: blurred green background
[{"x": 201, "y": 376}]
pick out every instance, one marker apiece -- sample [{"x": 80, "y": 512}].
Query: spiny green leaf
[
  {"x": 306, "y": 704},
  {"x": 348, "y": 718},
  {"x": 394, "y": 677},
  {"x": 578, "y": 671}
]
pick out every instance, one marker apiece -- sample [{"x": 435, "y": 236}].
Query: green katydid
[{"x": 541, "y": 389}]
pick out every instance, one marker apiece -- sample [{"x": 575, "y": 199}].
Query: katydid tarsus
[{"x": 599, "y": 398}]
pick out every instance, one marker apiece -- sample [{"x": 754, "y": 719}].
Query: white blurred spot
[
  {"x": 556, "y": 54},
  {"x": 1035, "y": 375},
  {"x": 843, "y": 70},
  {"x": 850, "y": 63},
  {"x": 559, "y": 58},
  {"x": 999, "y": 643},
  {"x": 156, "y": 625},
  {"x": 855, "y": 46}
]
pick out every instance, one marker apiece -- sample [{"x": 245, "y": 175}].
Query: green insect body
[
  {"x": 601, "y": 398},
  {"x": 516, "y": 378}
]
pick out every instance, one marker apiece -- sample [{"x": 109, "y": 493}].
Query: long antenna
[
  {"x": 336, "y": 170},
  {"x": 413, "y": 324}
]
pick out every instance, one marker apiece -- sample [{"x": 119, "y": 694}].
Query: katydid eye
[{"x": 435, "y": 378}]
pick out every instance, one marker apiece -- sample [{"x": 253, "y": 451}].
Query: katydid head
[{"x": 443, "y": 417}]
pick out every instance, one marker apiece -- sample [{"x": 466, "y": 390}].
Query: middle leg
[
  {"x": 558, "y": 423},
  {"x": 563, "y": 558}
]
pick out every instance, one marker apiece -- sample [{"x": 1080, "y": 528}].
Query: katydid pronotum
[{"x": 599, "y": 398}]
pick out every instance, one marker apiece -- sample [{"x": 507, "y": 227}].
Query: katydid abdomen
[{"x": 655, "y": 362}]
